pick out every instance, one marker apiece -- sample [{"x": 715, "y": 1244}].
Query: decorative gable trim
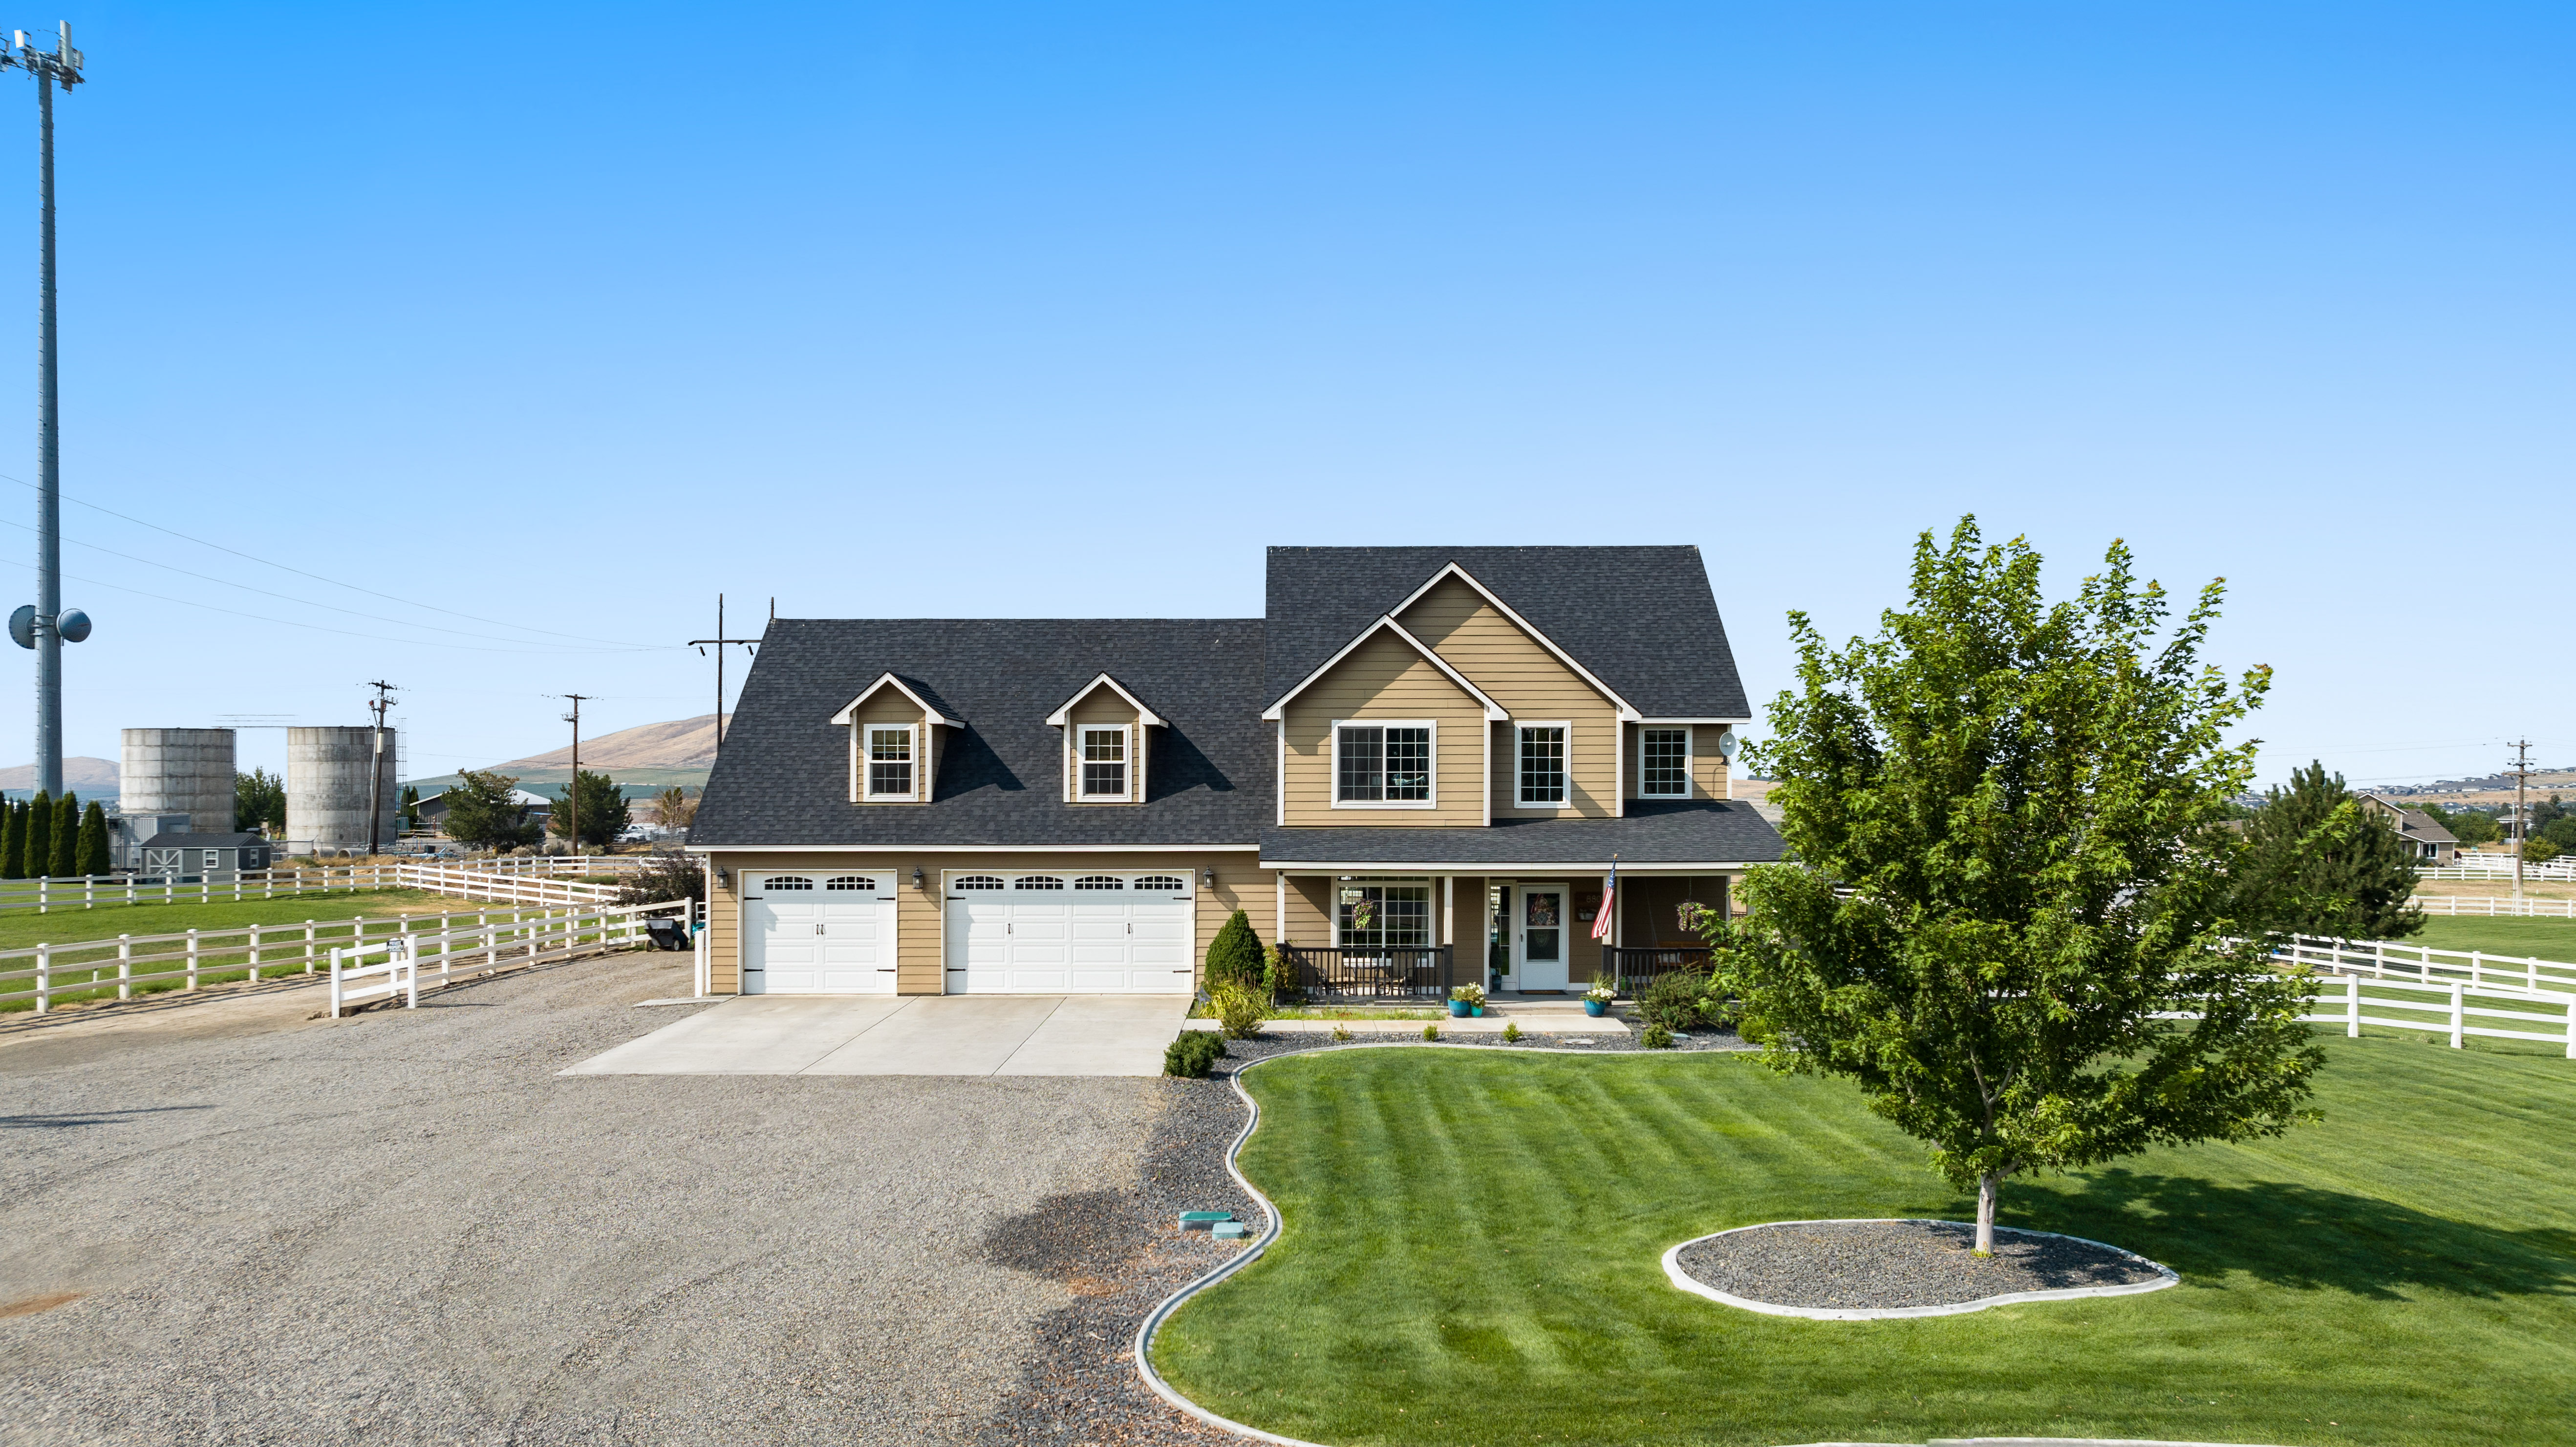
[
  {"x": 1627, "y": 711},
  {"x": 849, "y": 711},
  {"x": 1064, "y": 711},
  {"x": 1494, "y": 712}
]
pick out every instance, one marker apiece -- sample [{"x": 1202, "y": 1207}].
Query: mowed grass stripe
[{"x": 1510, "y": 1210}]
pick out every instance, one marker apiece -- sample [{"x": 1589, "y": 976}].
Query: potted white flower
[
  {"x": 1596, "y": 1001},
  {"x": 1465, "y": 1000}
]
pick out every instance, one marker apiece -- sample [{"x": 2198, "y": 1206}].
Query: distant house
[
  {"x": 189, "y": 858},
  {"x": 433, "y": 810},
  {"x": 2432, "y": 843}
]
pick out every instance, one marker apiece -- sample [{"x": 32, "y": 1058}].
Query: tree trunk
[{"x": 1989, "y": 1186}]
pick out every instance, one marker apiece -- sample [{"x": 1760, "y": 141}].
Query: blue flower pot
[
  {"x": 1458, "y": 1008},
  {"x": 1595, "y": 1008},
  {"x": 1476, "y": 1010}
]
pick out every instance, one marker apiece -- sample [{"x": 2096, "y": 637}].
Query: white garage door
[
  {"x": 1069, "y": 934},
  {"x": 818, "y": 934}
]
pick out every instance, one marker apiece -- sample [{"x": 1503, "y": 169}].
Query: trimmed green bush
[
  {"x": 1192, "y": 1054},
  {"x": 1677, "y": 1001},
  {"x": 1234, "y": 956},
  {"x": 1240, "y": 1009},
  {"x": 1656, "y": 1038}
]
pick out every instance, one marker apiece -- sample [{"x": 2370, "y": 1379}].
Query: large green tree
[
  {"x": 603, "y": 809},
  {"x": 482, "y": 815},
  {"x": 2317, "y": 862},
  {"x": 2011, "y": 858},
  {"x": 259, "y": 802}
]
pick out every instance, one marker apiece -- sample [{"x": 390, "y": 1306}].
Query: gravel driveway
[{"x": 404, "y": 1227}]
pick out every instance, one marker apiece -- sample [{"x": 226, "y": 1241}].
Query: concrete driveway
[{"x": 908, "y": 1035}]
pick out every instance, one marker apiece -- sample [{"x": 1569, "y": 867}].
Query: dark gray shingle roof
[
  {"x": 168, "y": 840},
  {"x": 783, "y": 777},
  {"x": 1709, "y": 832},
  {"x": 1642, "y": 619}
]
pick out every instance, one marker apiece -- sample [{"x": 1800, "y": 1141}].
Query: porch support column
[
  {"x": 1279, "y": 897},
  {"x": 1449, "y": 910}
]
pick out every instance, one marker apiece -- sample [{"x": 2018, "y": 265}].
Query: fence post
[
  {"x": 45, "y": 991},
  {"x": 2458, "y": 1015},
  {"x": 129, "y": 889},
  {"x": 192, "y": 960},
  {"x": 2474, "y": 961},
  {"x": 254, "y": 954},
  {"x": 335, "y": 984},
  {"x": 125, "y": 967},
  {"x": 44, "y": 883},
  {"x": 89, "y": 891},
  {"x": 2352, "y": 1006},
  {"x": 308, "y": 947}
]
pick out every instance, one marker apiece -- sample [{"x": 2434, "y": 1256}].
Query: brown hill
[
  {"x": 83, "y": 776},
  {"x": 684, "y": 744}
]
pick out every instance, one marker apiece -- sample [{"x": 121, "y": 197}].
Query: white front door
[
  {"x": 1538, "y": 937},
  {"x": 1069, "y": 934},
  {"x": 816, "y": 933}
]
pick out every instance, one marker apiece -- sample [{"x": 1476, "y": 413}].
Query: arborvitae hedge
[
  {"x": 40, "y": 833},
  {"x": 13, "y": 841},
  {"x": 66, "y": 835},
  {"x": 93, "y": 840}
]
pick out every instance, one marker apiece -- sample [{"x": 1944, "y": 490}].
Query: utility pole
[
  {"x": 720, "y": 641},
  {"x": 2521, "y": 772},
  {"x": 376, "y": 767},
  {"x": 572, "y": 794},
  {"x": 44, "y": 627}
]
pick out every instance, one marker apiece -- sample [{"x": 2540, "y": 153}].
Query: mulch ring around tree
[{"x": 1851, "y": 1270}]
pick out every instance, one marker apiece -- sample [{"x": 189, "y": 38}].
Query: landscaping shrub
[
  {"x": 1192, "y": 1054},
  {"x": 1279, "y": 978},
  {"x": 1240, "y": 1009},
  {"x": 1234, "y": 956},
  {"x": 1341, "y": 1032},
  {"x": 1656, "y": 1038},
  {"x": 1678, "y": 1001},
  {"x": 1430, "y": 1032},
  {"x": 1511, "y": 1032}
]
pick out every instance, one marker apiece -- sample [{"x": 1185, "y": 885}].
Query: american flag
[{"x": 1609, "y": 892}]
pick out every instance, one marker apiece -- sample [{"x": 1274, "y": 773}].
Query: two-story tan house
[{"x": 1416, "y": 770}]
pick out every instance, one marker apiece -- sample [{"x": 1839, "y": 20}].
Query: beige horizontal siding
[
  {"x": 920, "y": 964},
  {"x": 1385, "y": 678},
  {"x": 1531, "y": 683}
]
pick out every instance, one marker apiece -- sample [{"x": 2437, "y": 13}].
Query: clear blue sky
[{"x": 570, "y": 316}]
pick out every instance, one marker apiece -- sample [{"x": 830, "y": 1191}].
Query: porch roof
[{"x": 1704, "y": 833}]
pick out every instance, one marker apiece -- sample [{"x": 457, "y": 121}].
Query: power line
[{"x": 334, "y": 582}]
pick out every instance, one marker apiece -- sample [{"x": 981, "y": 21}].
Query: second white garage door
[
  {"x": 818, "y": 934},
  {"x": 1069, "y": 934}
]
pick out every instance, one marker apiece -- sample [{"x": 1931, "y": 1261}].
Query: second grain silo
[
  {"x": 178, "y": 771},
  {"x": 328, "y": 771}
]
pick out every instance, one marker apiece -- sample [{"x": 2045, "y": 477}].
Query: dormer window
[
  {"x": 1104, "y": 761},
  {"x": 889, "y": 761}
]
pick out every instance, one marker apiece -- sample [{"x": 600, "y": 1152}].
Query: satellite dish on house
[
  {"x": 22, "y": 626},
  {"x": 1727, "y": 744},
  {"x": 73, "y": 624}
]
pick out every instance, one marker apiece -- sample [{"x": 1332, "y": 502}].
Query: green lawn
[
  {"x": 1473, "y": 1242},
  {"x": 2548, "y": 939},
  {"x": 22, "y": 928}
]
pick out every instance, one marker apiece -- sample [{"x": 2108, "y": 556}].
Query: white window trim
[
  {"x": 1690, "y": 756},
  {"x": 859, "y": 747},
  {"x": 1333, "y": 783},
  {"x": 1333, "y": 898},
  {"x": 1559, "y": 806},
  {"x": 1127, "y": 732}
]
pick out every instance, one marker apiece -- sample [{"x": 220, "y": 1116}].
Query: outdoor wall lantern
[
  {"x": 1207, "y": 879},
  {"x": 916, "y": 876},
  {"x": 724, "y": 877}
]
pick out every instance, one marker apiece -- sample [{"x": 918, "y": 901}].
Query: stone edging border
[{"x": 2165, "y": 1276}]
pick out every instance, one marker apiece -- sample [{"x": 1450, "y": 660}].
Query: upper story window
[
  {"x": 889, "y": 761},
  {"x": 1104, "y": 762},
  {"x": 1387, "y": 765},
  {"x": 1542, "y": 764},
  {"x": 1663, "y": 765}
]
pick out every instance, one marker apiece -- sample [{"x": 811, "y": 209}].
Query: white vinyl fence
[
  {"x": 2476, "y": 864},
  {"x": 2454, "y": 1007},
  {"x": 2493, "y": 906},
  {"x": 474, "y": 942},
  {"x": 2392, "y": 959},
  {"x": 521, "y": 881}
]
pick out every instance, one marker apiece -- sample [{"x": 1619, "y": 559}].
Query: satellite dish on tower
[
  {"x": 22, "y": 626},
  {"x": 73, "y": 625}
]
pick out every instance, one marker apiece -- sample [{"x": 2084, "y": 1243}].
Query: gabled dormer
[
  {"x": 1106, "y": 743},
  {"x": 895, "y": 742}
]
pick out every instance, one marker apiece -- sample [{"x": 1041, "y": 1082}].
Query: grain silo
[
  {"x": 327, "y": 773},
  {"x": 178, "y": 771}
]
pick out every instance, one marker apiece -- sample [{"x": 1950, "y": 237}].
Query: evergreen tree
[
  {"x": 481, "y": 814},
  {"x": 2318, "y": 863},
  {"x": 65, "y": 862},
  {"x": 40, "y": 834},
  {"x": 603, "y": 808},
  {"x": 13, "y": 841},
  {"x": 93, "y": 840},
  {"x": 1234, "y": 956},
  {"x": 411, "y": 806}
]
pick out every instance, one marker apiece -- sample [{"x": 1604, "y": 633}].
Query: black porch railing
[
  {"x": 1635, "y": 968},
  {"x": 1354, "y": 972}
]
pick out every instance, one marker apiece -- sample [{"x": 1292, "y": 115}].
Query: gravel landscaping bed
[
  {"x": 1877, "y": 1265},
  {"x": 1119, "y": 1254},
  {"x": 1383, "y": 1032}
]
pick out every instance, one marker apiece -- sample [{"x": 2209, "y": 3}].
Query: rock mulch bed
[
  {"x": 1119, "y": 1255},
  {"x": 1382, "y": 1032},
  {"x": 1879, "y": 1265}
]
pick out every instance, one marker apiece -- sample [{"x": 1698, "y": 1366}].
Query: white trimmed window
[
  {"x": 1663, "y": 763},
  {"x": 1383, "y": 765},
  {"x": 1542, "y": 765},
  {"x": 889, "y": 749},
  {"x": 1103, "y": 763}
]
